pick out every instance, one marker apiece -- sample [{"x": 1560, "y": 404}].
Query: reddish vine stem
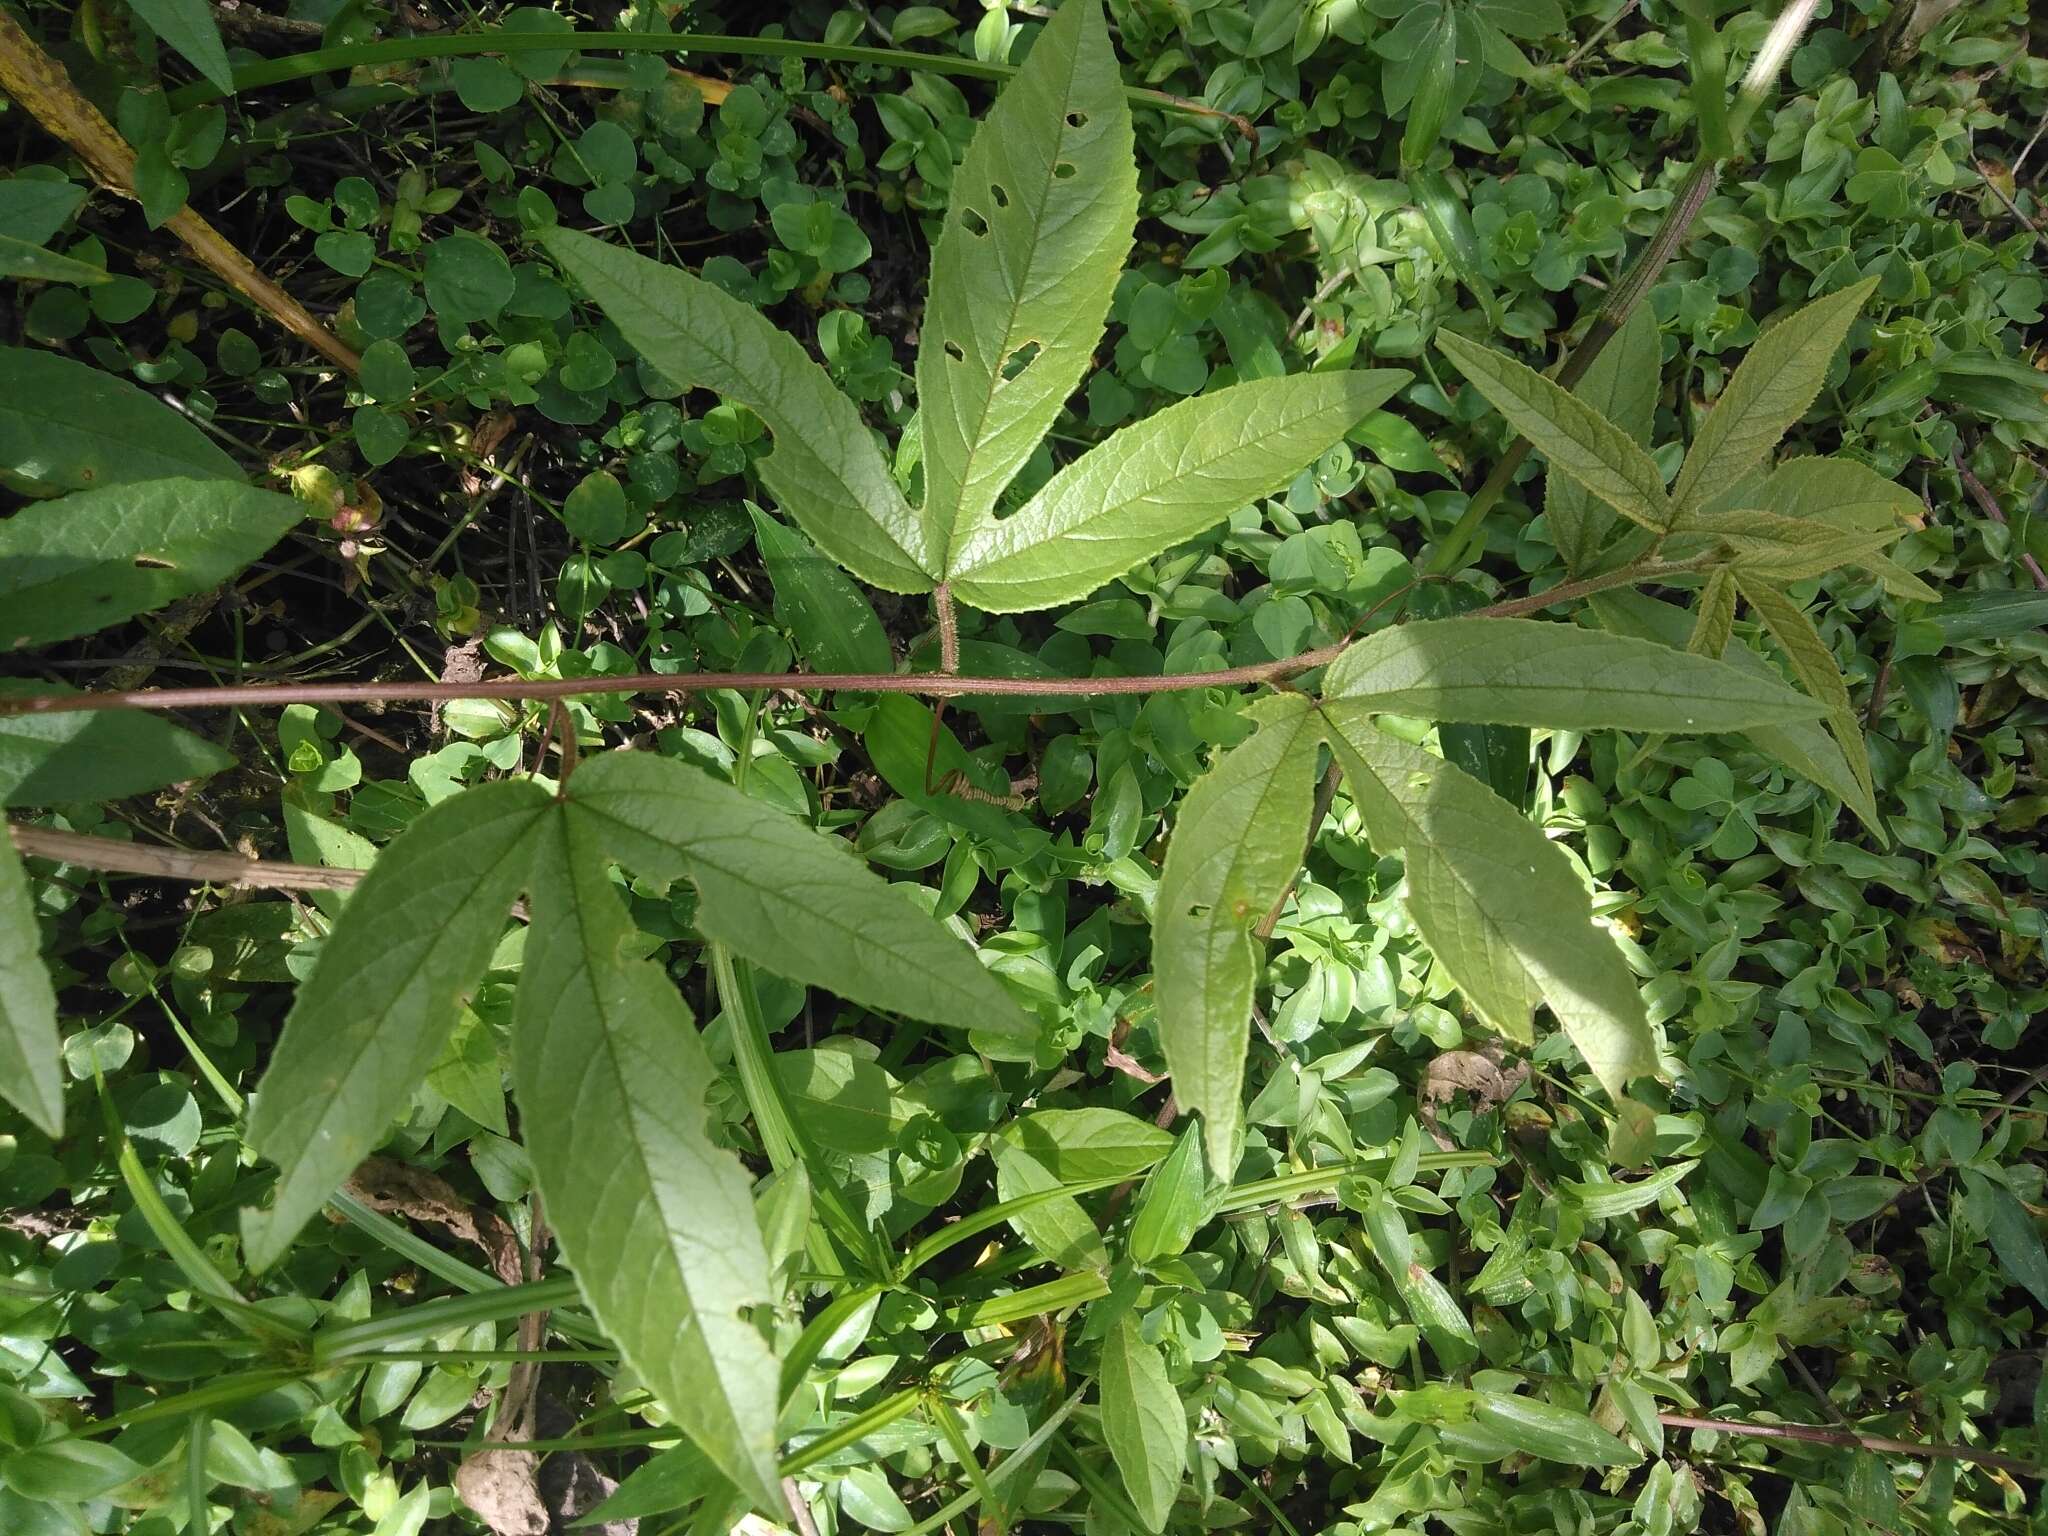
[
  {"x": 1988, "y": 504},
  {"x": 937, "y": 685}
]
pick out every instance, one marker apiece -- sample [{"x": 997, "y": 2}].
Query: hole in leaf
[
  {"x": 1019, "y": 360},
  {"x": 1077, "y": 119},
  {"x": 1064, "y": 171},
  {"x": 995, "y": 190},
  {"x": 153, "y": 563},
  {"x": 974, "y": 223},
  {"x": 953, "y": 351}
]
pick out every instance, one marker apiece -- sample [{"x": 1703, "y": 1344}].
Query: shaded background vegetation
[{"x": 1855, "y": 1015}]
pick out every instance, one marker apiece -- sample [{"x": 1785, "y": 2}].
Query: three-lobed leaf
[
  {"x": 1237, "y": 842},
  {"x": 79, "y": 563},
  {"x": 657, "y": 1221},
  {"x": 1498, "y": 904},
  {"x": 1037, "y": 227},
  {"x": 1158, "y": 482},
  {"x": 788, "y": 898},
  {"x": 31, "y": 1074},
  {"x": 826, "y": 470},
  {"x": 1143, "y": 1422},
  {"x": 387, "y": 990},
  {"x": 1570, "y": 433},
  {"x": 1771, "y": 389},
  {"x": 1527, "y": 672}
]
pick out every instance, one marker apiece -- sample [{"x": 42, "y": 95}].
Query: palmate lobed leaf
[
  {"x": 1037, "y": 227},
  {"x": 826, "y": 470},
  {"x": 1158, "y": 482},
  {"x": 1236, "y": 843},
  {"x": 656, "y": 1220},
  {"x": 79, "y": 563},
  {"x": 1527, "y": 672},
  {"x": 1499, "y": 906}
]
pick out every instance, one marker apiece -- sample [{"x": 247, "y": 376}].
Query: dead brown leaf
[
  {"x": 398, "y": 1189},
  {"x": 1477, "y": 1073}
]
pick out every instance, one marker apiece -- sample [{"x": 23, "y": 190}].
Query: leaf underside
[
  {"x": 1573, "y": 437},
  {"x": 788, "y": 898},
  {"x": 387, "y": 990},
  {"x": 1622, "y": 386},
  {"x": 656, "y": 1220},
  {"x": 1527, "y": 672},
  {"x": 1237, "y": 842},
  {"x": 1498, "y": 904},
  {"x": 1772, "y": 388}
]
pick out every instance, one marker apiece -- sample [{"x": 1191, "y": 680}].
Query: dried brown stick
[{"x": 39, "y": 83}]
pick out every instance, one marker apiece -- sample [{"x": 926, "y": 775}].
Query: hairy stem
[
  {"x": 937, "y": 685},
  {"x": 949, "y": 628}
]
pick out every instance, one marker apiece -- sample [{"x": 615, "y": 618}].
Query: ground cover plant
[{"x": 1132, "y": 767}]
